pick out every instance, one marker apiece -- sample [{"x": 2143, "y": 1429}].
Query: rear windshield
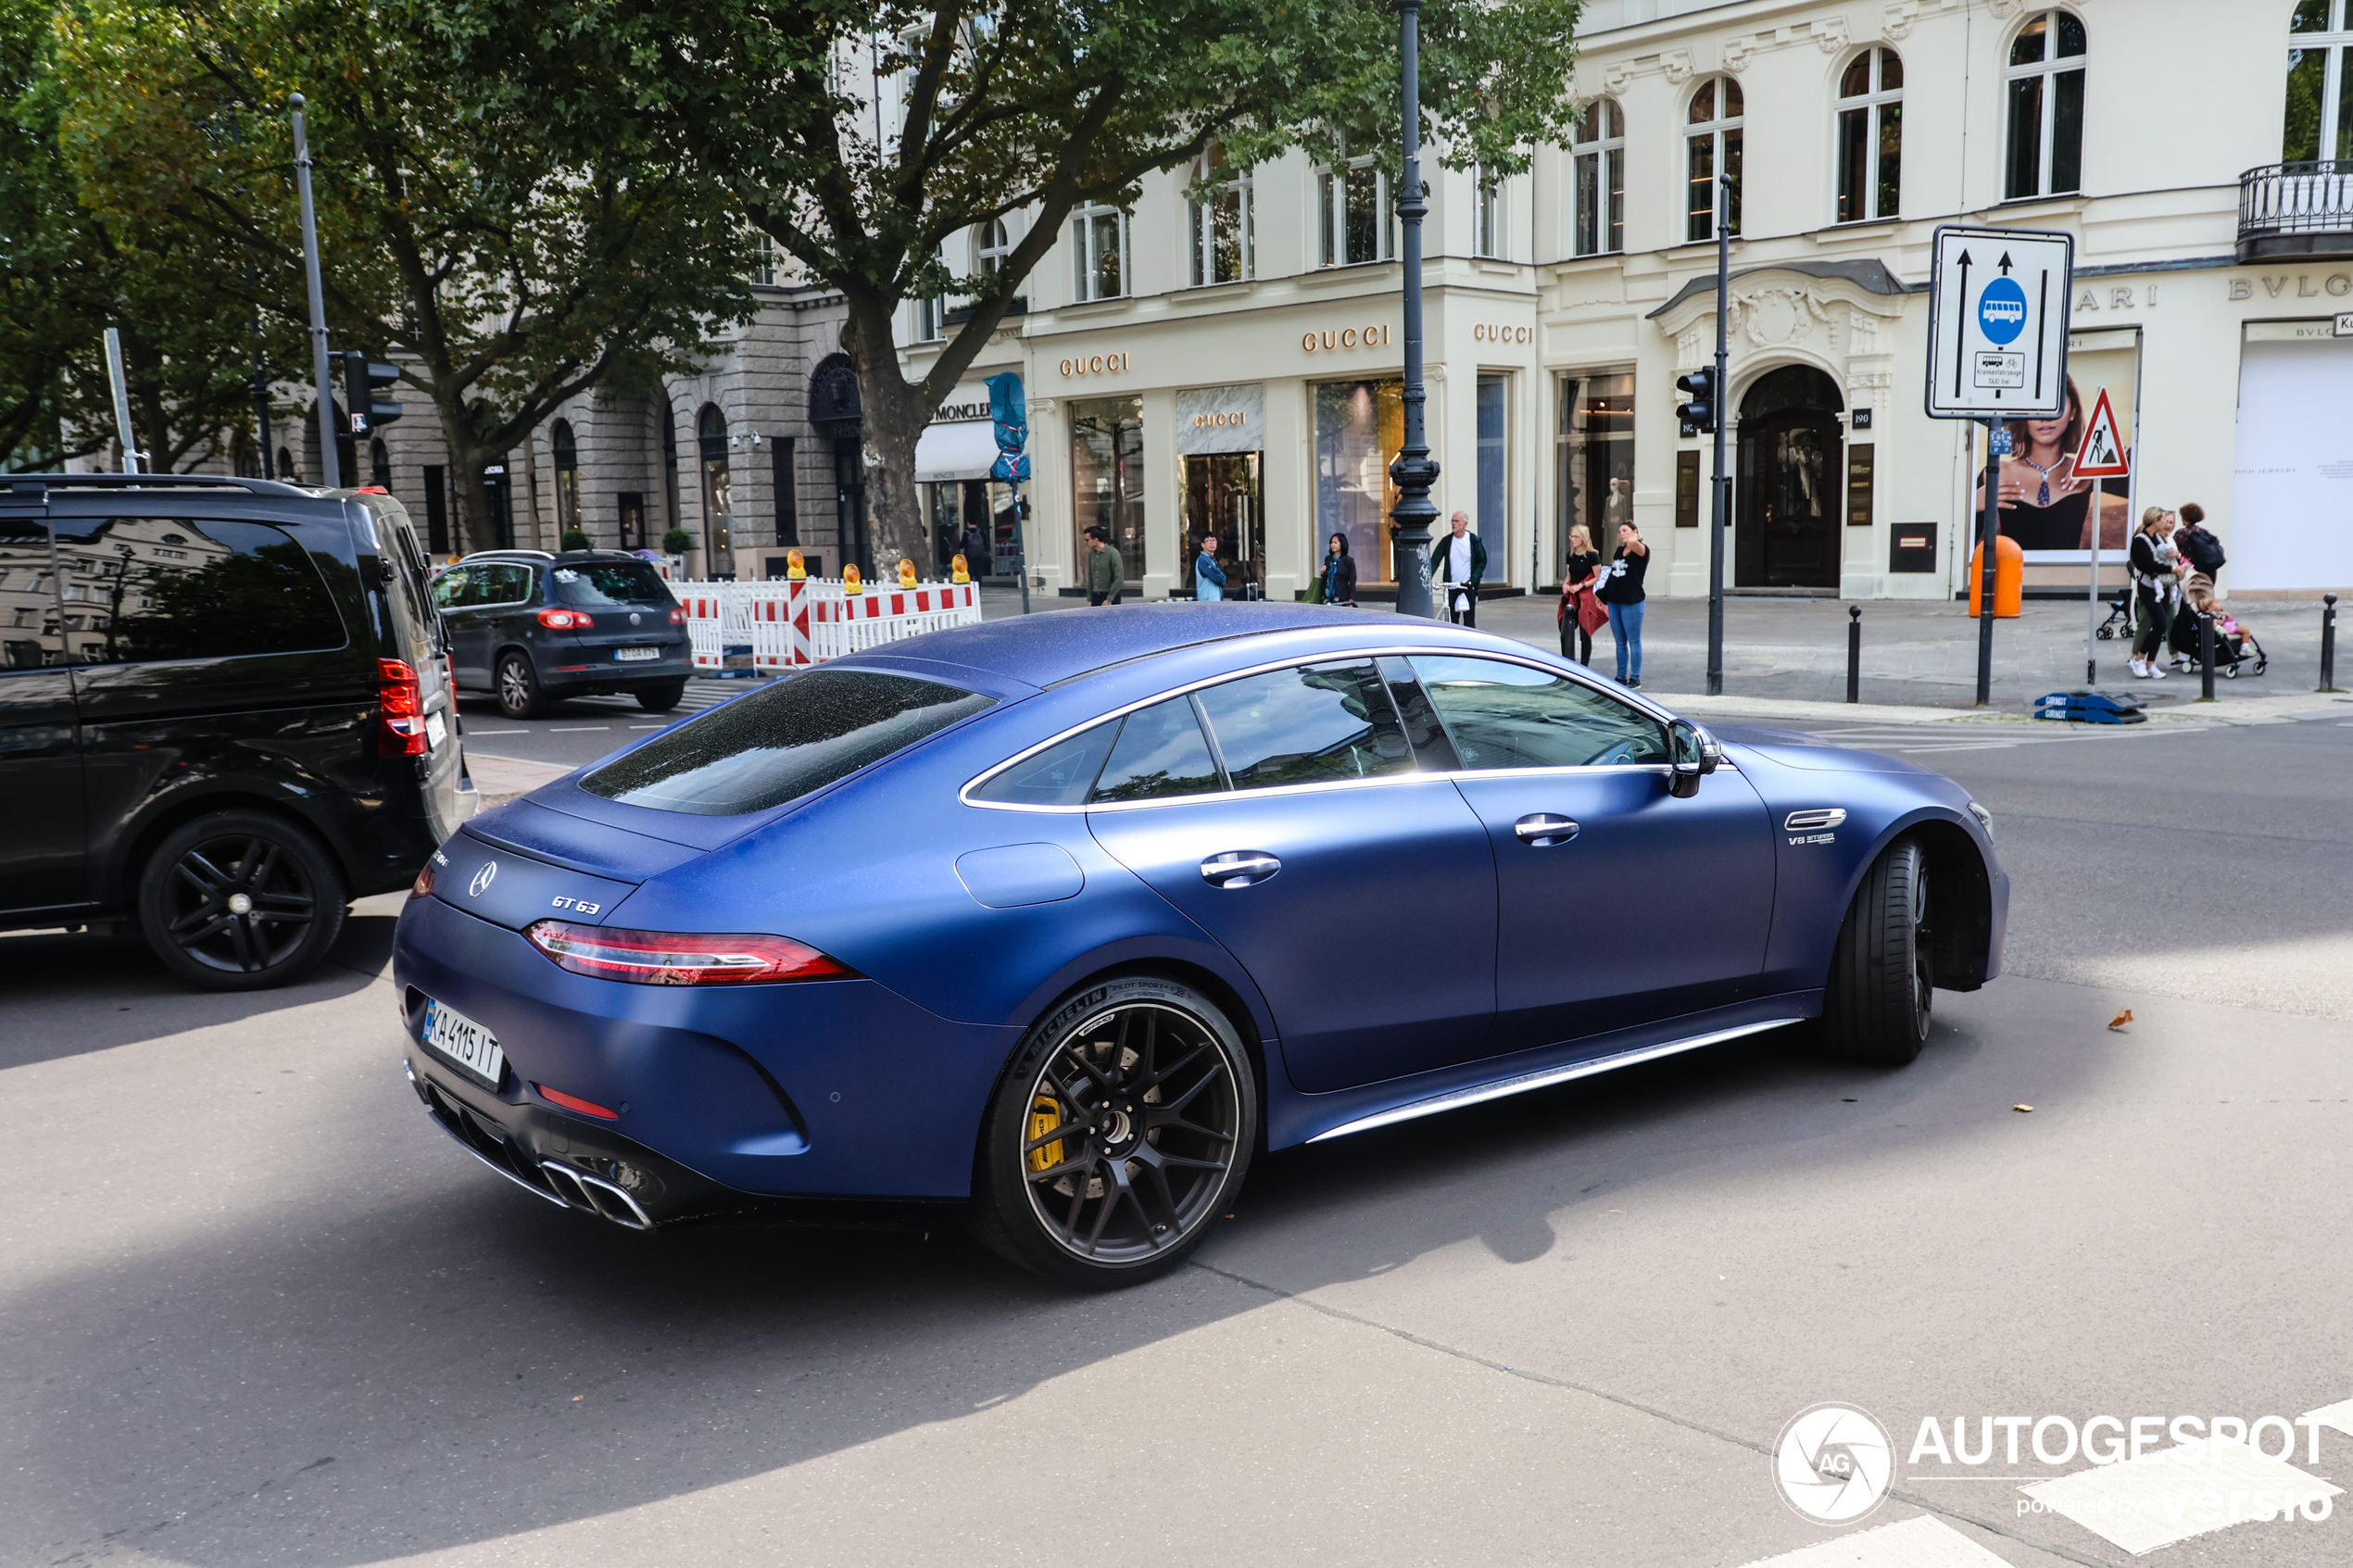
[
  {"x": 776, "y": 745},
  {"x": 606, "y": 584}
]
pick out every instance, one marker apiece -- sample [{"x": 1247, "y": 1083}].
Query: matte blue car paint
[
  {"x": 1352, "y": 1001},
  {"x": 868, "y": 870},
  {"x": 1658, "y": 906},
  {"x": 1014, "y": 875}
]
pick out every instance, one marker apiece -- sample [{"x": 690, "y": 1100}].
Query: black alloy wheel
[
  {"x": 661, "y": 698},
  {"x": 518, "y": 687},
  {"x": 1118, "y": 1136},
  {"x": 241, "y": 900},
  {"x": 1880, "y": 994}
]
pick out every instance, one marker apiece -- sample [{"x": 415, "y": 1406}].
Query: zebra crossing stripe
[
  {"x": 1924, "y": 1542},
  {"x": 2156, "y": 1500}
]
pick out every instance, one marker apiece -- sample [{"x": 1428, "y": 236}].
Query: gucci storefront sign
[
  {"x": 1482, "y": 333},
  {"x": 1095, "y": 365},
  {"x": 1375, "y": 336},
  {"x": 1221, "y": 419}
]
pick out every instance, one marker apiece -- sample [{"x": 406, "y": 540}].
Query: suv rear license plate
[
  {"x": 453, "y": 1035},
  {"x": 628, "y": 655}
]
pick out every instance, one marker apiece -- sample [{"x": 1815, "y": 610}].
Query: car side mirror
[{"x": 1690, "y": 759}]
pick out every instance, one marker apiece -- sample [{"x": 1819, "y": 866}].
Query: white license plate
[
  {"x": 435, "y": 729},
  {"x": 629, "y": 655},
  {"x": 464, "y": 1042}
]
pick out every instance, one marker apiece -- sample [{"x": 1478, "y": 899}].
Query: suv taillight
[
  {"x": 402, "y": 703},
  {"x": 564, "y": 620},
  {"x": 677, "y": 618},
  {"x": 664, "y": 958}
]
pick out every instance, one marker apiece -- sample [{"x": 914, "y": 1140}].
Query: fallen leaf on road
[
  {"x": 2120, "y": 1019},
  {"x": 2022, "y": 1108}
]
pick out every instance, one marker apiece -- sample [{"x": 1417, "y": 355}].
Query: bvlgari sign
[{"x": 1221, "y": 419}]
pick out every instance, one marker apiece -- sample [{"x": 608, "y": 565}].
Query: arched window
[
  {"x": 992, "y": 243},
  {"x": 2046, "y": 111},
  {"x": 718, "y": 490},
  {"x": 286, "y": 466},
  {"x": 1870, "y": 137},
  {"x": 1714, "y": 147},
  {"x": 1099, "y": 252},
  {"x": 1222, "y": 244},
  {"x": 566, "y": 452},
  {"x": 1599, "y": 172},
  {"x": 1351, "y": 201},
  {"x": 1487, "y": 213},
  {"x": 2320, "y": 123}
]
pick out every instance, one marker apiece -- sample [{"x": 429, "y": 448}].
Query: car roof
[{"x": 1043, "y": 649}]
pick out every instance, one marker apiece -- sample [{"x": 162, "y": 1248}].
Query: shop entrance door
[
  {"x": 1792, "y": 468},
  {"x": 1222, "y": 497}
]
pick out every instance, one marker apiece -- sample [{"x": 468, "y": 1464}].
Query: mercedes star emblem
[{"x": 481, "y": 879}]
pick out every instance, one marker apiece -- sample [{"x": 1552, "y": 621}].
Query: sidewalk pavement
[{"x": 1788, "y": 656}]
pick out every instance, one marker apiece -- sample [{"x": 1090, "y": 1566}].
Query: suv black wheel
[
  {"x": 1877, "y": 1004},
  {"x": 241, "y": 900},
  {"x": 518, "y": 687},
  {"x": 1118, "y": 1136},
  {"x": 661, "y": 698}
]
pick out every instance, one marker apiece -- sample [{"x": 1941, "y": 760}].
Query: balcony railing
[{"x": 2296, "y": 210}]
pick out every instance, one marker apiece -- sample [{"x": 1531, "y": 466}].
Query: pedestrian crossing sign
[{"x": 2102, "y": 455}]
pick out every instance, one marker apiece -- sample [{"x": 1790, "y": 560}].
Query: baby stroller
[
  {"x": 2236, "y": 652},
  {"x": 2118, "y": 623}
]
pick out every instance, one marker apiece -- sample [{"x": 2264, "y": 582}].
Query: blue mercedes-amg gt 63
[{"x": 1063, "y": 919}]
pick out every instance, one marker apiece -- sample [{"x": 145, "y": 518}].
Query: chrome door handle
[
  {"x": 1238, "y": 868},
  {"x": 1541, "y": 830}
]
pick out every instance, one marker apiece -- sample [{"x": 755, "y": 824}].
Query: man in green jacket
[
  {"x": 1459, "y": 560},
  {"x": 1106, "y": 568}
]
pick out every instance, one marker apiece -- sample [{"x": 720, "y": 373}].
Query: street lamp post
[
  {"x": 1413, "y": 474},
  {"x": 1720, "y": 509},
  {"x": 321, "y": 373}
]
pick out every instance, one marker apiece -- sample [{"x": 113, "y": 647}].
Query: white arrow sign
[{"x": 1997, "y": 323}]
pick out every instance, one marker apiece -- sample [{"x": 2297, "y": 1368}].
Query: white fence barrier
[{"x": 790, "y": 624}]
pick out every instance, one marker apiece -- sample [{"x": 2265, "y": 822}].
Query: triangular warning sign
[{"x": 2102, "y": 455}]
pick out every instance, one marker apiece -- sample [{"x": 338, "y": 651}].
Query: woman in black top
[
  {"x": 1339, "y": 572},
  {"x": 2157, "y": 589},
  {"x": 1577, "y": 581},
  {"x": 1621, "y": 589}
]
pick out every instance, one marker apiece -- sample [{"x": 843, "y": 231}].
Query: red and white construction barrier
[{"x": 791, "y": 623}]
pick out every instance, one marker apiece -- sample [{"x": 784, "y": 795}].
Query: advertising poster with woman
[{"x": 2052, "y": 514}]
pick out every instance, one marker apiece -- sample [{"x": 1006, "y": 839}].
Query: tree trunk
[
  {"x": 475, "y": 528},
  {"x": 895, "y": 415}
]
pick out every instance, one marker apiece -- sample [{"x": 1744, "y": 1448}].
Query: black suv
[
  {"x": 532, "y": 628},
  {"x": 224, "y": 713}
]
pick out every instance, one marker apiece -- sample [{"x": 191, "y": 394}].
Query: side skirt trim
[{"x": 1457, "y": 1098}]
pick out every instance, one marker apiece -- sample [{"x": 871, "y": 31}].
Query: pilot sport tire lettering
[
  {"x": 1117, "y": 1136},
  {"x": 241, "y": 900},
  {"x": 518, "y": 688},
  {"x": 661, "y": 698},
  {"x": 1876, "y": 1005}
]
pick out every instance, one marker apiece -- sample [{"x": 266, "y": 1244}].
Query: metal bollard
[
  {"x": 2328, "y": 642},
  {"x": 2205, "y": 657},
  {"x": 1853, "y": 653}
]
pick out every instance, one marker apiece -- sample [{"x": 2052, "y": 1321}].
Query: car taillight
[
  {"x": 565, "y": 620},
  {"x": 677, "y": 618},
  {"x": 401, "y": 701},
  {"x": 423, "y": 886},
  {"x": 668, "y": 958}
]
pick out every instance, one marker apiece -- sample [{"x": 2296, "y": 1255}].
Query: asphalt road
[{"x": 259, "y": 1311}]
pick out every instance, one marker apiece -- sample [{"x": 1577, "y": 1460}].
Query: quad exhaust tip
[{"x": 596, "y": 1195}]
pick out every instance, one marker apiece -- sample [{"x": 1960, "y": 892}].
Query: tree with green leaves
[
  {"x": 506, "y": 269},
  {"x": 862, "y": 166},
  {"x": 67, "y": 273}
]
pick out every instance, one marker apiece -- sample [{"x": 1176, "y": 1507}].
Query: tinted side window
[
  {"x": 1160, "y": 753},
  {"x": 145, "y": 588},
  {"x": 1311, "y": 724},
  {"x": 449, "y": 589},
  {"x": 607, "y": 583},
  {"x": 504, "y": 585},
  {"x": 1504, "y": 715},
  {"x": 774, "y": 745},
  {"x": 31, "y": 633},
  {"x": 1060, "y": 776}
]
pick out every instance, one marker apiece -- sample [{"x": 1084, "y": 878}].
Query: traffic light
[
  {"x": 363, "y": 380},
  {"x": 1699, "y": 414}
]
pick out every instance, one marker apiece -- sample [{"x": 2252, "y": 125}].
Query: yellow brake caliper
[{"x": 1045, "y": 1115}]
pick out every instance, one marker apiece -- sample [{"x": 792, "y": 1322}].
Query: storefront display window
[
  {"x": 1360, "y": 425},
  {"x": 718, "y": 491},
  {"x": 955, "y": 508},
  {"x": 1107, "y": 476},
  {"x": 1593, "y": 457},
  {"x": 1494, "y": 517}
]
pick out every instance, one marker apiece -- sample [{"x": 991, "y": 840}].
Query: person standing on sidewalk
[
  {"x": 1340, "y": 572},
  {"x": 1460, "y": 560},
  {"x": 1621, "y": 589},
  {"x": 2157, "y": 589},
  {"x": 1106, "y": 568},
  {"x": 1579, "y": 578},
  {"x": 1209, "y": 578}
]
